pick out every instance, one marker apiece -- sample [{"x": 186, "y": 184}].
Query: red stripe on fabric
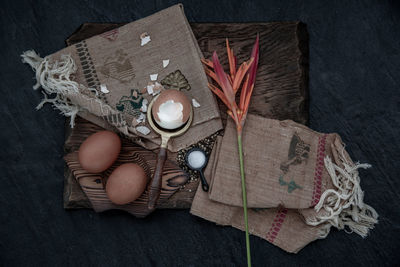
[
  {"x": 319, "y": 167},
  {"x": 276, "y": 225}
]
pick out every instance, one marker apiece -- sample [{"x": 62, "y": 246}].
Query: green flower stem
[{"x": 239, "y": 135}]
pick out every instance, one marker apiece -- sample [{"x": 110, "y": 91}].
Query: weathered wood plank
[{"x": 93, "y": 185}]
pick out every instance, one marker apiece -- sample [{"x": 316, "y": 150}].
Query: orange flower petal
[
  {"x": 207, "y": 62},
  {"x": 220, "y": 94}
]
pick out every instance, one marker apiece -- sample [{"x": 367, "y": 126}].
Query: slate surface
[{"x": 354, "y": 88}]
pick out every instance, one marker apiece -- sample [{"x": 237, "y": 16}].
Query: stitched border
[
  {"x": 319, "y": 167},
  {"x": 276, "y": 225},
  {"x": 88, "y": 69}
]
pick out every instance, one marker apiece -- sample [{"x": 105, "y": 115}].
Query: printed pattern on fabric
[
  {"x": 291, "y": 185},
  {"x": 298, "y": 152},
  {"x": 176, "y": 80},
  {"x": 115, "y": 119},
  {"x": 131, "y": 104},
  {"x": 118, "y": 67}
]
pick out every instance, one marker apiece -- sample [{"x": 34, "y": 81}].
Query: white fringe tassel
[
  {"x": 344, "y": 206},
  {"x": 54, "y": 78}
]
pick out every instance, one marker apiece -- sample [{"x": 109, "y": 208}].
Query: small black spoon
[{"x": 196, "y": 159}]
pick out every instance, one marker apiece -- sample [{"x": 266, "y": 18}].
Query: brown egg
[
  {"x": 171, "y": 109},
  {"x": 126, "y": 183},
  {"x": 99, "y": 151}
]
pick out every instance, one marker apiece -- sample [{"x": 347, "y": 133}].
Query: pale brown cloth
[
  {"x": 284, "y": 165},
  {"x": 117, "y": 59},
  {"x": 280, "y": 226},
  {"x": 306, "y": 178}
]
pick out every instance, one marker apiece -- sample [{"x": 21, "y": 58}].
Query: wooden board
[
  {"x": 93, "y": 185},
  {"x": 281, "y": 90}
]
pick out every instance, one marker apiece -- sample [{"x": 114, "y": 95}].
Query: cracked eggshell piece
[
  {"x": 153, "y": 77},
  {"x": 150, "y": 88},
  {"x": 144, "y": 105},
  {"x": 103, "y": 89},
  {"x": 157, "y": 88},
  {"x": 141, "y": 118},
  {"x": 143, "y": 130},
  {"x": 154, "y": 88},
  {"x": 165, "y": 63},
  {"x": 171, "y": 109},
  {"x": 144, "y": 38},
  {"x": 195, "y": 103}
]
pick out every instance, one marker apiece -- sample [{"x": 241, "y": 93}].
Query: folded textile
[
  {"x": 109, "y": 78},
  {"x": 280, "y": 226},
  {"x": 291, "y": 165},
  {"x": 299, "y": 182}
]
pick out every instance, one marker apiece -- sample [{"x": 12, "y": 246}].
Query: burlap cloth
[
  {"x": 279, "y": 226},
  {"x": 284, "y": 165},
  {"x": 300, "y": 183},
  {"x": 118, "y": 60}
]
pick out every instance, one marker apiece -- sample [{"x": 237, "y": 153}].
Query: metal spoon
[
  {"x": 196, "y": 159},
  {"x": 155, "y": 184}
]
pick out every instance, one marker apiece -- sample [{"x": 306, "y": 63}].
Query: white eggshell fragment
[
  {"x": 144, "y": 39},
  {"x": 141, "y": 118},
  {"x": 143, "y": 130},
  {"x": 157, "y": 88},
  {"x": 153, "y": 77},
  {"x": 195, "y": 103},
  {"x": 149, "y": 88},
  {"x": 103, "y": 89},
  {"x": 165, "y": 63},
  {"x": 144, "y": 105}
]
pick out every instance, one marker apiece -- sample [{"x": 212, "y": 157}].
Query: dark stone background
[{"x": 354, "y": 87}]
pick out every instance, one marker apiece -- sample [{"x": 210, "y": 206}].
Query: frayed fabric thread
[
  {"x": 344, "y": 207},
  {"x": 55, "y": 79}
]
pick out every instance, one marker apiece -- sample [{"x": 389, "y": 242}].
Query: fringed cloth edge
[{"x": 343, "y": 206}]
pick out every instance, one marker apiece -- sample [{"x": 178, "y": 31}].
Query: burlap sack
[
  {"x": 284, "y": 164},
  {"x": 118, "y": 60},
  {"x": 288, "y": 164},
  {"x": 335, "y": 201},
  {"x": 280, "y": 226}
]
